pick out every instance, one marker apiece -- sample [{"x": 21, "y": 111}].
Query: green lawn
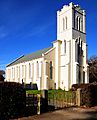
[
  {"x": 59, "y": 94},
  {"x": 39, "y": 91},
  {"x": 53, "y": 94},
  {"x": 33, "y": 92}
]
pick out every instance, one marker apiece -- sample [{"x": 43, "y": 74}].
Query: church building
[{"x": 62, "y": 64}]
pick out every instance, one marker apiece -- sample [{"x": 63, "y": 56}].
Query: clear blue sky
[{"x": 29, "y": 25}]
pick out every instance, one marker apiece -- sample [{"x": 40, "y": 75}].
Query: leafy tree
[
  {"x": 2, "y": 72},
  {"x": 93, "y": 69},
  {"x": 1, "y": 78}
]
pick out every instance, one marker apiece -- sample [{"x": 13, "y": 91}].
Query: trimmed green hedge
[{"x": 12, "y": 99}]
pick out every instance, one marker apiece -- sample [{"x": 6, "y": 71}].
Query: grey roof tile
[{"x": 29, "y": 57}]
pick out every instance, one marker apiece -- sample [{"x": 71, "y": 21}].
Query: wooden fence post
[
  {"x": 44, "y": 100},
  {"x": 78, "y": 97},
  {"x": 38, "y": 107}
]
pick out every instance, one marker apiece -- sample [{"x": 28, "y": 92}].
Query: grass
[
  {"x": 59, "y": 94},
  {"x": 33, "y": 92},
  {"x": 53, "y": 94}
]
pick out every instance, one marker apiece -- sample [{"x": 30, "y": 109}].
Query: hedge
[
  {"x": 12, "y": 99},
  {"x": 88, "y": 93}
]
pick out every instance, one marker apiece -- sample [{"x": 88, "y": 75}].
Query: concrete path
[{"x": 66, "y": 114}]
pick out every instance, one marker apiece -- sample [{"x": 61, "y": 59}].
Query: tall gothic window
[
  {"x": 25, "y": 72},
  {"x": 74, "y": 17},
  {"x": 37, "y": 69},
  {"x": 22, "y": 71},
  {"x": 65, "y": 22},
  {"x": 77, "y": 22},
  {"x": 81, "y": 25},
  {"x": 12, "y": 73},
  {"x": 78, "y": 45},
  {"x": 29, "y": 70},
  {"x": 64, "y": 46},
  {"x": 32, "y": 70},
  {"x": 76, "y": 51},
  {"x": 81, "y": 45},
  {"x": 51, "y": 70},
  {"x": 9, "y": 74},
  {"x": 17, "y": 72}
]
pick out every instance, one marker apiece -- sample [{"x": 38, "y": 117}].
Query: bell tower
[
  {"x": 71, "y": 21},
  {"x": 71, "y": 31}
]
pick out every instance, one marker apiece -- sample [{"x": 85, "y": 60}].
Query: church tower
[{"x": 72, "y": 46}]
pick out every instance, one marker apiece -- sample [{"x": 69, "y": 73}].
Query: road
[{"x": 66, "y": 114}]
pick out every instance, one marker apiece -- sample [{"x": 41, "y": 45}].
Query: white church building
[{"x": 63, "y": 64}]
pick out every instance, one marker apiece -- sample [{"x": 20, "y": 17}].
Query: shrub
[
  {"x": 12, "y": 99},
  {"x": 88, "y": 93}
]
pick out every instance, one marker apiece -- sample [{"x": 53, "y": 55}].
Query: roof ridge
[
  {"x": 38, "y": 50},
  {"x": 15, "y": 60},
  {"x": 29, "y": 57}
]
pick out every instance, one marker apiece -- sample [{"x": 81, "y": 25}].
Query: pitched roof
[{"x": 29, "y": 57}]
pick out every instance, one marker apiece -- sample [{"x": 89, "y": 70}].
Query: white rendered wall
[
  {"x": 26, "y": 78},
  {"x": 67, "y": 63}
]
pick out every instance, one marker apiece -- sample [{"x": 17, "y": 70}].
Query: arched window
[
  {"x": 65, "y": 22},
  {"x": 77, "y": 22},
  {"x": 12, "y": 73},
  {"x": 19, "y": 72},
  {"x": 32, "y": 70},
  {"x": 22, "y": 71},
  {"x": 37, "y": 69},
  {"x": 51, "y": 70},
  {"x": 81, "y": 26},
  {"x": 29, "y": 70},
  {"x": 25, "y": 72},
  {"x": 64, "y": 46},
  {"x": 76, "y": 51}
]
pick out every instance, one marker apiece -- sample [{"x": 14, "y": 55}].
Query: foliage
[
  {"x": 92, "y": 69},
  {"x": 88, "y": 93},
  {"x": 59, "y": 94},
  {"x": 2, "y": 72},
  {"x": 1, "y": 78},
  {"x": 12, "y": 99}
]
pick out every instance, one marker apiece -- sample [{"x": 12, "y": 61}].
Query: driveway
[{"x": 66, "y": 114}]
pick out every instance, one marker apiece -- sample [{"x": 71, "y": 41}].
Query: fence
[
  {"x": 61, "y": 99},
  {"x": 50, "y": 100},
  {"x": 31, "y": 100},
  {"x": 31, "y": 104}
]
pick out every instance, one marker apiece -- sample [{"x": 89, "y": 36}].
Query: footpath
[{"x": 66, "y": 114}]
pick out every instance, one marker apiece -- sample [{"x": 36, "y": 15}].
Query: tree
[
  {"x": 93, "y": 69},
  {"x": 2, "y": 73},
  {"x": 1, "y": 78}
]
